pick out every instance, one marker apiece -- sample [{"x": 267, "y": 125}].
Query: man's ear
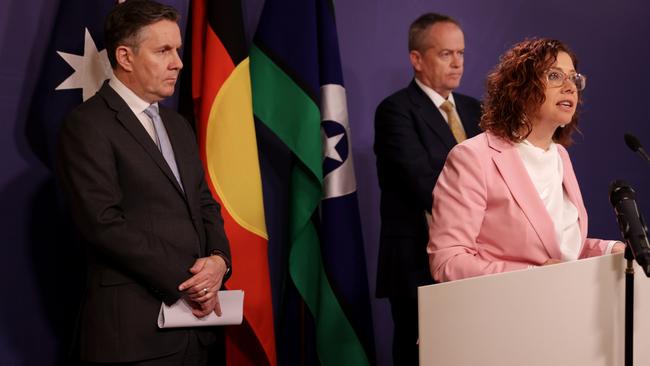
[
  {"x": 416, "y": 59},
  {"x": 124, "y": 57}
]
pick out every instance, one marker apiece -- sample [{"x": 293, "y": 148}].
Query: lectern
[{"x": 567, "y": 314}]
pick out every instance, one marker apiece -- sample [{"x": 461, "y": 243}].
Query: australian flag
[{"x": 75, "y": 66}]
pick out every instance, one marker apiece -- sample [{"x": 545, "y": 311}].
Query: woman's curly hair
[{"x": 516, "y": 90}]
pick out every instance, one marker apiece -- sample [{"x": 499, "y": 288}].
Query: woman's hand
[
  {"x": 619, "y": 247},
  {"x": 552, "y": 261}
]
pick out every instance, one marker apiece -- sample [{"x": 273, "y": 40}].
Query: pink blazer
[{"x": 487, "y": 216}]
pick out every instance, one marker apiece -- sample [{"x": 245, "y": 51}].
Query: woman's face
[{"x": 562, "y": 98}]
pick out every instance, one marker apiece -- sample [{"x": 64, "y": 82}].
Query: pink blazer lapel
[{"x": 514, "y": 174}]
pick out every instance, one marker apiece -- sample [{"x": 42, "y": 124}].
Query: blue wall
[{"x": 609, "y": 37}]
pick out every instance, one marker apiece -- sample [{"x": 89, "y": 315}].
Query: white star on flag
[
  {"x": 90, "y": 70},
  {"x": 329, "y": 148}
]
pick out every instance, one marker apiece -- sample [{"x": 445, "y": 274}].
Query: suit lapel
[
  {"x": 471, "y": 128},
  {"x": 431, "y": 116},
  {"x": 131, "y": 123},
  {"x": 523, "y": 190}
]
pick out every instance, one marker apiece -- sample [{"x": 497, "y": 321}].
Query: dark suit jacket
[
  {"x": 142, "y": 231},
  {"x": 412, "y": 140}
]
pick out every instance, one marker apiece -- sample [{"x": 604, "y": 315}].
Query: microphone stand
[{"x": 629, "y": 307}]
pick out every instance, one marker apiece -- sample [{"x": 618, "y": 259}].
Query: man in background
[
  {"x": 415, "y": 128},
  {"x": 135, "y": 186}
]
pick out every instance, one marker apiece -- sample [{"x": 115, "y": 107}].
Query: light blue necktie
[{"x": 162, "y": 140}]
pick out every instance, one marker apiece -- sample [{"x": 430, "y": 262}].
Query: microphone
[
  {"x": 633, "y": 143},
  {"x": 631, "y": 222}
]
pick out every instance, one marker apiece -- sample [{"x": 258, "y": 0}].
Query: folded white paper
[{"x": 180, "y": 313}]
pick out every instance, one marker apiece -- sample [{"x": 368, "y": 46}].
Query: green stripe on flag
[
  {"x": 294, "y": 117},
  {"x": 288, "y": 111}
]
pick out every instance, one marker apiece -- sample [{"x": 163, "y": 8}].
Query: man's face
[
  {"x": 439, "y": 64},
  {"x": 155, "y": 62}
]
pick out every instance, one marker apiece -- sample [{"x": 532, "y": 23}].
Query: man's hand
[
  {"x": 204, "y": 309},
  {"x": 202, "y": 287}
]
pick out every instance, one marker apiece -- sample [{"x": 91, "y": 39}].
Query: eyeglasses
[{"x": 556, "y": 78}]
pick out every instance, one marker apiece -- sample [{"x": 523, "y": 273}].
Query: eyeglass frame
[{"x": 574, "y": 78}]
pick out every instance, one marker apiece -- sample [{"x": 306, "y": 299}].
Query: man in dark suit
[
  {"x": 135, "y": 186},
  {"x": 415, "y": 129}
]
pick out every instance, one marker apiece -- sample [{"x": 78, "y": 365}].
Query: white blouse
[{"x": 546, "y": 171}]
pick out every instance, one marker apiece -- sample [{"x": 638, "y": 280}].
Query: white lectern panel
[{"x": 566, "y": 314}]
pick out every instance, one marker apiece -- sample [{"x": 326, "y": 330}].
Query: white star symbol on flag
[
  {"x": 329, "y": 147},
  {"x": 90, "y": 70}
]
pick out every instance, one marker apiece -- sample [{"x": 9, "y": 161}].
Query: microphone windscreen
[
  {"x": 632, "y": 142},
  {"x": 619, "y": 190}
]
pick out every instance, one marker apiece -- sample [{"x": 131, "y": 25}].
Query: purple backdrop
[{"x": 609, "y": 40}]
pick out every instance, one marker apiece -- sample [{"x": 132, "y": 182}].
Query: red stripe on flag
[{"x": 251, "y": 274}]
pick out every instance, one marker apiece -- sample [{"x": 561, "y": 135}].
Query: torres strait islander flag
[
  {"x": 298, "y": 95},
  {"x": 222, "y": 97}
]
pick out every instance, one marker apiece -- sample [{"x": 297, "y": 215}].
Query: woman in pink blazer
[{"x": 508, "y": 198}]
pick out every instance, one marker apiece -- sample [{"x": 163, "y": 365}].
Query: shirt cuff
[{"x": 610, "y": 246}]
